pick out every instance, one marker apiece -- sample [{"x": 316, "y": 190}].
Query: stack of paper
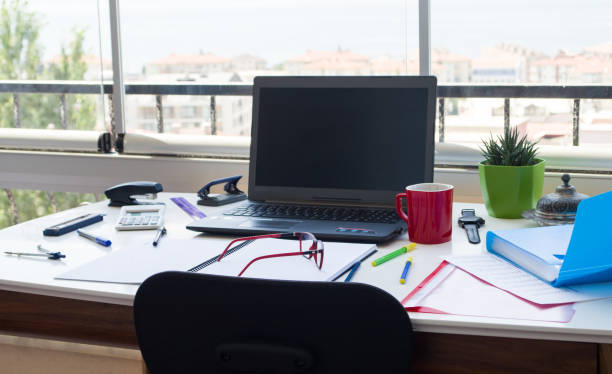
[
  {"x": 504, "y": 275},
  {"x": 450, "y": 290}
]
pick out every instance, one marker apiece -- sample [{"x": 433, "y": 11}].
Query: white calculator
[{"x": 141, "y": 217}]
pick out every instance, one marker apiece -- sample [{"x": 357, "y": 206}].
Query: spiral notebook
[{"x": 132, "y": 265}]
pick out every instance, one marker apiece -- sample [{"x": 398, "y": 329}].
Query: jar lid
[{"x": 560, "y": 205}]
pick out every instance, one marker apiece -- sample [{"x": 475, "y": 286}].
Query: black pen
[{"x": 160, "y": 232}]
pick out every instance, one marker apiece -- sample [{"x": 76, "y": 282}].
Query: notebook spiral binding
[{"x": 204, "y": 264}]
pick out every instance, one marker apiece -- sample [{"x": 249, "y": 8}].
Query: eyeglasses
[{"x": 307, "y": 240}]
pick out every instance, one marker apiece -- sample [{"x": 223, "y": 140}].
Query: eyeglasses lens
[{"x": 309, "y": 243}]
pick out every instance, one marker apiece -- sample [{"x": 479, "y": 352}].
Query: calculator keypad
[{"x": 137, "y": 218}]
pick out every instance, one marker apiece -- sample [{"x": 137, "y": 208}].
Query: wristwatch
[{"x": 470, "y": 222}]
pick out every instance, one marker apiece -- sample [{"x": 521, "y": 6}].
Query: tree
[
  {"x": 71, "y": 65},
  {"x": 20, "y": 58},
  {"x": 19, "y": 48},
  {"x": 81, "y": 109}
]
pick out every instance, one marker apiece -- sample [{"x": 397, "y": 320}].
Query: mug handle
[{"x": 398, "y": 206}]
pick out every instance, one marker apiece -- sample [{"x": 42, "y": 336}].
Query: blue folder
[
  {"x": 589, "y": 254},
  {"x": 583, "y": 250}
]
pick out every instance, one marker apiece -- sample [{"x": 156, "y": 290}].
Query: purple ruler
[{"x": 188, "y": 207}]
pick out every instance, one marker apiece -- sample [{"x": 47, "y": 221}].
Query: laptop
[{"x": 329, "y": 154}]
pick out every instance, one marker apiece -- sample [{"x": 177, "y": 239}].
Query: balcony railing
[{"x": 506, "y": 92}]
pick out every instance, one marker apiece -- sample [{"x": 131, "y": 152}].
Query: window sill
[
  {"x": 27, "y": 163},
  {"x": 583, "y": 159},
  {"x": 81, "y": 172},
  {"x": 49, "y": 140}
]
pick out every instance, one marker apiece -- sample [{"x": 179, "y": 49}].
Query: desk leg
[{"x": 605, "y": 359}]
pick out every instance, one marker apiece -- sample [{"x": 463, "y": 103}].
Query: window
[
  {"x": 516, "y": 42},
  {"x": 53, "y": 41},
  {"x": 230, "y": 42},
  {"x": 56, "y": 43}
]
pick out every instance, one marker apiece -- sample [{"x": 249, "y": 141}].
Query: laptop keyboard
[{"x": 315, "y": 213}]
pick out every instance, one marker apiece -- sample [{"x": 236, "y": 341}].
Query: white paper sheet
[
  {"x": 134, "y": 264},
  {"x": 455, "y": 291},
  {"x": 506, "y": 276}
]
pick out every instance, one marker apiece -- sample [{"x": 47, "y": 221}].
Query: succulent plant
[{"x": 509, "y": 149}]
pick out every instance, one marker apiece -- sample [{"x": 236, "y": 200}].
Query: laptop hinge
[{"x": 330, "y": 203}]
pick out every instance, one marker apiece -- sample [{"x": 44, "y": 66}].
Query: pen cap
[{"x": 104, "y": 242}]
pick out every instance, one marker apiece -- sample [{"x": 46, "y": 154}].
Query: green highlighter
[{"x": 393, "y": 254}]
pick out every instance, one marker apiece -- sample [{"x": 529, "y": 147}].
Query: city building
[
  {"x": 340, "y": 62},
  {"x": 450, "y": 67},
  {"x": 600, "y": 50},
  {"x": 196, "y": 115},
  {"x": 497, "y": 65},
  {"x": 188, "y": 65}
]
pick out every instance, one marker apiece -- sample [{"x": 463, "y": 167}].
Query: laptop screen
[{"x": 356, "y": 139}]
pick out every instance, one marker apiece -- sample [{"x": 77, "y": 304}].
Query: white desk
[{"x": 23, "y": 278}]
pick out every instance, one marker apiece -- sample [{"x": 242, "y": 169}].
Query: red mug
[{"x": 430, "y": 212}]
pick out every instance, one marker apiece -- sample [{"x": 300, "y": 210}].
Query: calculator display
[{"x": 152, "y": 213}]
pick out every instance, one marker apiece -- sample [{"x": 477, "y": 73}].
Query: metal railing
[
  {"x": 506, "y": 92},
  {"x": 62, "y": 88}
]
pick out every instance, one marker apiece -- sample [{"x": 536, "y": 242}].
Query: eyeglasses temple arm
[
  {"x": 276, "y": 255},
  {"x": 244, "y": 239}
]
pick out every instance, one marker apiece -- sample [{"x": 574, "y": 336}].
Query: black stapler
[
  {"x": 126, "y": 193},
  {"x": 231, "y": 187}
]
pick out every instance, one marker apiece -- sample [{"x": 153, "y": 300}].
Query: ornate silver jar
[{"x": 558, "y": 208}]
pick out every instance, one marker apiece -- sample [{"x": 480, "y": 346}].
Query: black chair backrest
[{"x": 197, "y": 323}]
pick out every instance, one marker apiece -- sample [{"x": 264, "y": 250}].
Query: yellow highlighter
[{"x": 394, "y": 254}]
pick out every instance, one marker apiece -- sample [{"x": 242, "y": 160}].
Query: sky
[{"x": 279, "y": 29}]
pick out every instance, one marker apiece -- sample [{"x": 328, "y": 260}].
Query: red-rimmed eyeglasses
[{"x": 307, "y": 240}]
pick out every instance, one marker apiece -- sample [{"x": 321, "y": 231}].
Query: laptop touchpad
[{"x": 269, "y": 224}]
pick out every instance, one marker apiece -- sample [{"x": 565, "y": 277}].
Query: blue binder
[{"x": 588, "y": 258}]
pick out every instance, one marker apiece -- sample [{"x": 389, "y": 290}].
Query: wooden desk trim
[
  {"x": 67, "y": 319},
  {"x": 110, "y": 324}
]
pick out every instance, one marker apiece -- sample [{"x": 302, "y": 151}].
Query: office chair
[{"x": 198, "y": 323}]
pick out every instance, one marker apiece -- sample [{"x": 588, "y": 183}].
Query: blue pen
[
  {"x": 97, "y": 239},
  {"x": 353, "y": 270},
  {"x": 405, "y": 272}
]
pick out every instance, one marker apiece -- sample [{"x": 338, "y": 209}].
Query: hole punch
[{"x": 231, "y": 187}]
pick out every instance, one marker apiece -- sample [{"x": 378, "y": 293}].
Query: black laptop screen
[{"x": 342, "y": 138}]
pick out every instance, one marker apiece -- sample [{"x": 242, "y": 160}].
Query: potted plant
[{"x": 511, "y": 176}]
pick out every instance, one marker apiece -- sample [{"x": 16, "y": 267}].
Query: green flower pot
[{"x": 509, "y": 190}]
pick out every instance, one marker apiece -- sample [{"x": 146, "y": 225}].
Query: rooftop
[{"x": 181, "y": 59}]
